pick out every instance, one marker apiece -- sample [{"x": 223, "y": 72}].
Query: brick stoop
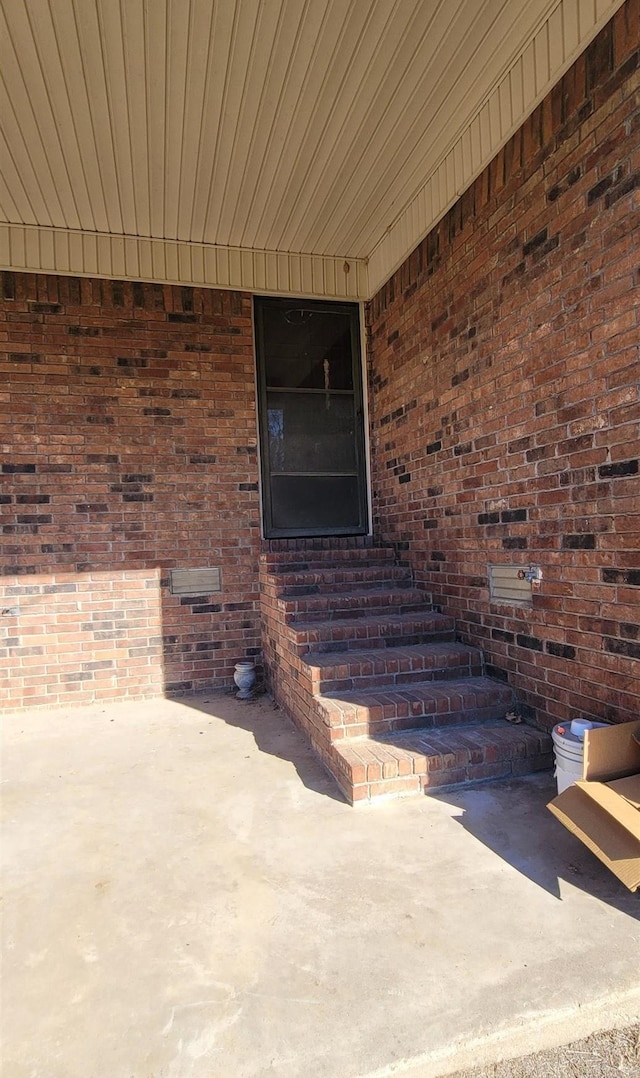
[
  {"x": 421, "y": 761},
  {"x": 375, "y": 678}
]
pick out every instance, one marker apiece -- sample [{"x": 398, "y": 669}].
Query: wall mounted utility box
[
  {"x": 187, "y": 582},
  {"x": 510, "y": 584},
  {"x": 603, "y": 810}
]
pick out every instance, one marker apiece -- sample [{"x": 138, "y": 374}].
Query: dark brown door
[{"x": 311, "y": 418}]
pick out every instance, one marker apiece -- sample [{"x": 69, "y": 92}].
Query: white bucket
[{"x": 568, "y": 748}]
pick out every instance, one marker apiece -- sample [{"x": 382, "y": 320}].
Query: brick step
[
  {"x": 374, "y": 676},
  {"x": 427, "y": 761},
  {"x": 350, "y": 604},
  {"x": 289, "y": 583},
  {"x": 320, "y": 564},
  {"x": 304, "y": 559},
  {"x": 378, "y": 631},
  {"x": 424, "y": 705},
  {"x": 332, "y": 672},
  {"x": 330, "y": 543}
]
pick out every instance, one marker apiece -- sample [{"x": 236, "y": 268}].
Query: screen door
[{"x": 311, "y": 418}]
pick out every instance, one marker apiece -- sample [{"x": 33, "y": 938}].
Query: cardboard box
[{"x": 603, "y": 810}]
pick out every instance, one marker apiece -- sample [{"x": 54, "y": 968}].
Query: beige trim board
[
  {"x": 34, "y": 249},
  {"x": 74, "y": 204}
]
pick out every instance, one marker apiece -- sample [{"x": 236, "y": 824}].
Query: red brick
[
  {"x": 394, "y": 787},
  {"x": 115, "y": 556},
  {"x": 552, "y": 363}
]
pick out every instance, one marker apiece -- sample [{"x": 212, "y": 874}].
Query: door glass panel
[
  {"x": 307, "y": 349},
  {"x": 315, "y": 502},
  {"x": 311, "y": 432}
]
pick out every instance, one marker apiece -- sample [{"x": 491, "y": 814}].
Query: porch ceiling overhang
[{"x": 280, "y": 146}]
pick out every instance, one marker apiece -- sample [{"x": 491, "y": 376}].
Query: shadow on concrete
[
  {"x": 510, "y": 817},
  {"x": 272, "y": 731},
  {"x": 507, "y": 816}
]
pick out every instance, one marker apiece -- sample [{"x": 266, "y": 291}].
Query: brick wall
[
  {"x": 504, "y": 393},
  {"x": 128, "y": 448}
]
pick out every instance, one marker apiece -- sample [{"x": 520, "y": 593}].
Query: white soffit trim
[
  {"x": 37, "y": 249},
  {"x": 54, "y": 225},
  {"x": 567, "y": 31}
]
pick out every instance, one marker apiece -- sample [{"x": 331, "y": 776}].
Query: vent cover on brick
[
  {"x": 195, "y": 581},
  {"x": 509, "y": 584}
]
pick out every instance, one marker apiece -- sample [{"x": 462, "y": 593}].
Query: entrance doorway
[{"x": 311, "y": 418}]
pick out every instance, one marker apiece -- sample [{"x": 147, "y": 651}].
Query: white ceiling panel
[{"x": 327, "y": 131}]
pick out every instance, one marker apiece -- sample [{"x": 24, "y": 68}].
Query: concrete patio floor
[{"x": 188, "y": 897}]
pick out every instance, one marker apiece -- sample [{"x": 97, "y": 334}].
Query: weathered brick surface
[
  {"x": 424, "y": 760},
  {"x": 128, "y": 448},
  {"x": 504, "y": 395},
  {"x": 395, "y": 719}
]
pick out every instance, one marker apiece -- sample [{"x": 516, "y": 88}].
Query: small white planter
[{"x": 245, "y": 679}]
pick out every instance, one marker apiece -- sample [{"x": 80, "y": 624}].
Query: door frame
[{"x": 363, "y": 444}]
